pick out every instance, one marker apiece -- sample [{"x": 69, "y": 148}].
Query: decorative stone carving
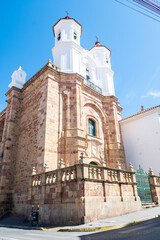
[
  {"x": 95, "y": 149},
  {"x": 65, "y": 93},
  {"x": 94, "y": 152},
  {"x": 101, "y": 152},
  {"x": 81, "y": 158}
]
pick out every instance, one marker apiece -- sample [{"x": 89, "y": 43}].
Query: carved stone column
[{"x": 155, "y": 186}]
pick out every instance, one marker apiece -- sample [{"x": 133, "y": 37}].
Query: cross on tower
[
  {"x": 96, "y": 39},
  {"x": 67, "y": 13}
]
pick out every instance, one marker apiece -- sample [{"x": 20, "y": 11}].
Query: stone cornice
[
  {"x": 13, "y": 89},
  {"x": 65, "y": 76}
]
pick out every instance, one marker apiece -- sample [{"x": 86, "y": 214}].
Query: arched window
[
  {"x": 93, "y": 163},
  {"x": 75, "y": 35},
  {"x": 92, "y": 127},
  {"x": 107, "y": 61},
  {"x": 59, "y": 36},
  {"x": 87, "y": 74}
]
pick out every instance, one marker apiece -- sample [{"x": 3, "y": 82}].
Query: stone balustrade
[
  {"x": 50, "y": 177},
  {"x": 85, "y": 171},
  {"x": 80, "y": 193},
  {"x": 158, "y": 180},
  {"x": 37, "y": 180},
  {"x": 155, "y": 186},
  {"x": 50, "y": 64}
]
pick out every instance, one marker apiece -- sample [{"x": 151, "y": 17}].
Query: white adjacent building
[
  {"x": 141, "y": 139},
  {"x": 94, "y": 65}
]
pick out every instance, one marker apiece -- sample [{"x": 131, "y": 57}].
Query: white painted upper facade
[
  {"x": 94, "y": 65},
  {"x": 141, "y": 139}
]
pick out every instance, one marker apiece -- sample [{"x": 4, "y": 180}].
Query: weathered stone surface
[
  {"x": 84, "y": 200},
  {"x": 46, "y": 127}
]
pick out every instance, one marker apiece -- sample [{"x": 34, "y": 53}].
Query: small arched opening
[{"x": 93, "y": 163}]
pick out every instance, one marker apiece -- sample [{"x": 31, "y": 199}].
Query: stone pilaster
[
  {"x": 115, "y": 145},
  {"x": 155, "y": 186},
  {"x": 9, "y": 146}
]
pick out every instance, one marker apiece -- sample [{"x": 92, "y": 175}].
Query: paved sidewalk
[
  {"x": 14, "y": 221},
  {"x": 119, "y": 221}
]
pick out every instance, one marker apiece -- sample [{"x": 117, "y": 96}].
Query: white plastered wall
[{"x": 141, "y": 138}]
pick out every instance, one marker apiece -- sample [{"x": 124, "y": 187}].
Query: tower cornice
[{"x": 66, "y": 18}]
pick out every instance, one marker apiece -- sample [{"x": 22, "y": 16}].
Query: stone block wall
[
  {"x": 82, "y": 193},
  {"x": 46, "y": 123}
]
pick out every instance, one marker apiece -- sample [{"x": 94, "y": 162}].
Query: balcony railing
[{"x": 93, "y": 86}]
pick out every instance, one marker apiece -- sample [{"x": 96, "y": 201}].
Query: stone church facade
[{"x": 60, "y": 142}]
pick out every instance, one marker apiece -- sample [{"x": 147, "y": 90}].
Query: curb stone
[
  {"x": 96, "y": 229},
  {"x": 93, "y": 229},
  {"x": 21, "y": 227}
]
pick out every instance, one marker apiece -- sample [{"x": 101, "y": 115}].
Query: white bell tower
[
  {"x": 94, "y": 65},
  {"x": 67, "y": 32},
  {"x": 104, "y": 73}
]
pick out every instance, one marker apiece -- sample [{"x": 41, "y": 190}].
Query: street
[{"x": 148, "y": 230}]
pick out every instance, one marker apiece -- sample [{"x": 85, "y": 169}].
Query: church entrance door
[{"x": 143, "y": 186}]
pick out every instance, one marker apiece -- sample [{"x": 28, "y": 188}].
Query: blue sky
[{"x": 26, "y": 39}]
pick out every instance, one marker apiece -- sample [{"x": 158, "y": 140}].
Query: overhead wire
[
  {"x": 147, "y": 4},
  {"x": 149, "y": 11},
  {"x": 137, "y": 11}
]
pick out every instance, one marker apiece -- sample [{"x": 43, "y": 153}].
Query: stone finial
[
  {"x": 18, "y": 78},
  {"x": 45, "y": 167},
  {"x": 61, "y": 163},
  {"x": 130, "y": 168},
  {"x": 34, "y": 172},
  {"x": 118, "y": 165},
  {"x": 150, "y": 172},
  {"x": 49, "y": 63},
  {"x": 81, "y": 158}
]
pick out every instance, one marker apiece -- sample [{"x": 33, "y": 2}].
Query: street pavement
[
  {"x": 147, "y": 230},
  {"x": 13, "y": 228}
]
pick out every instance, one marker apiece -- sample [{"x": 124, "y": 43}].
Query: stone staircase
[{"x": 149, "y": 205}]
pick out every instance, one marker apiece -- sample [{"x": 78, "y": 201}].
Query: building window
[
  {"x": 107, "y": 60},
  {"x": 87, "y": 74},
  {"x": 93, "y": 163},
  {"x": 59, "y": 36},
  {"x": 75, "y": 35},
  {"x": 92, "y": 127}
]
